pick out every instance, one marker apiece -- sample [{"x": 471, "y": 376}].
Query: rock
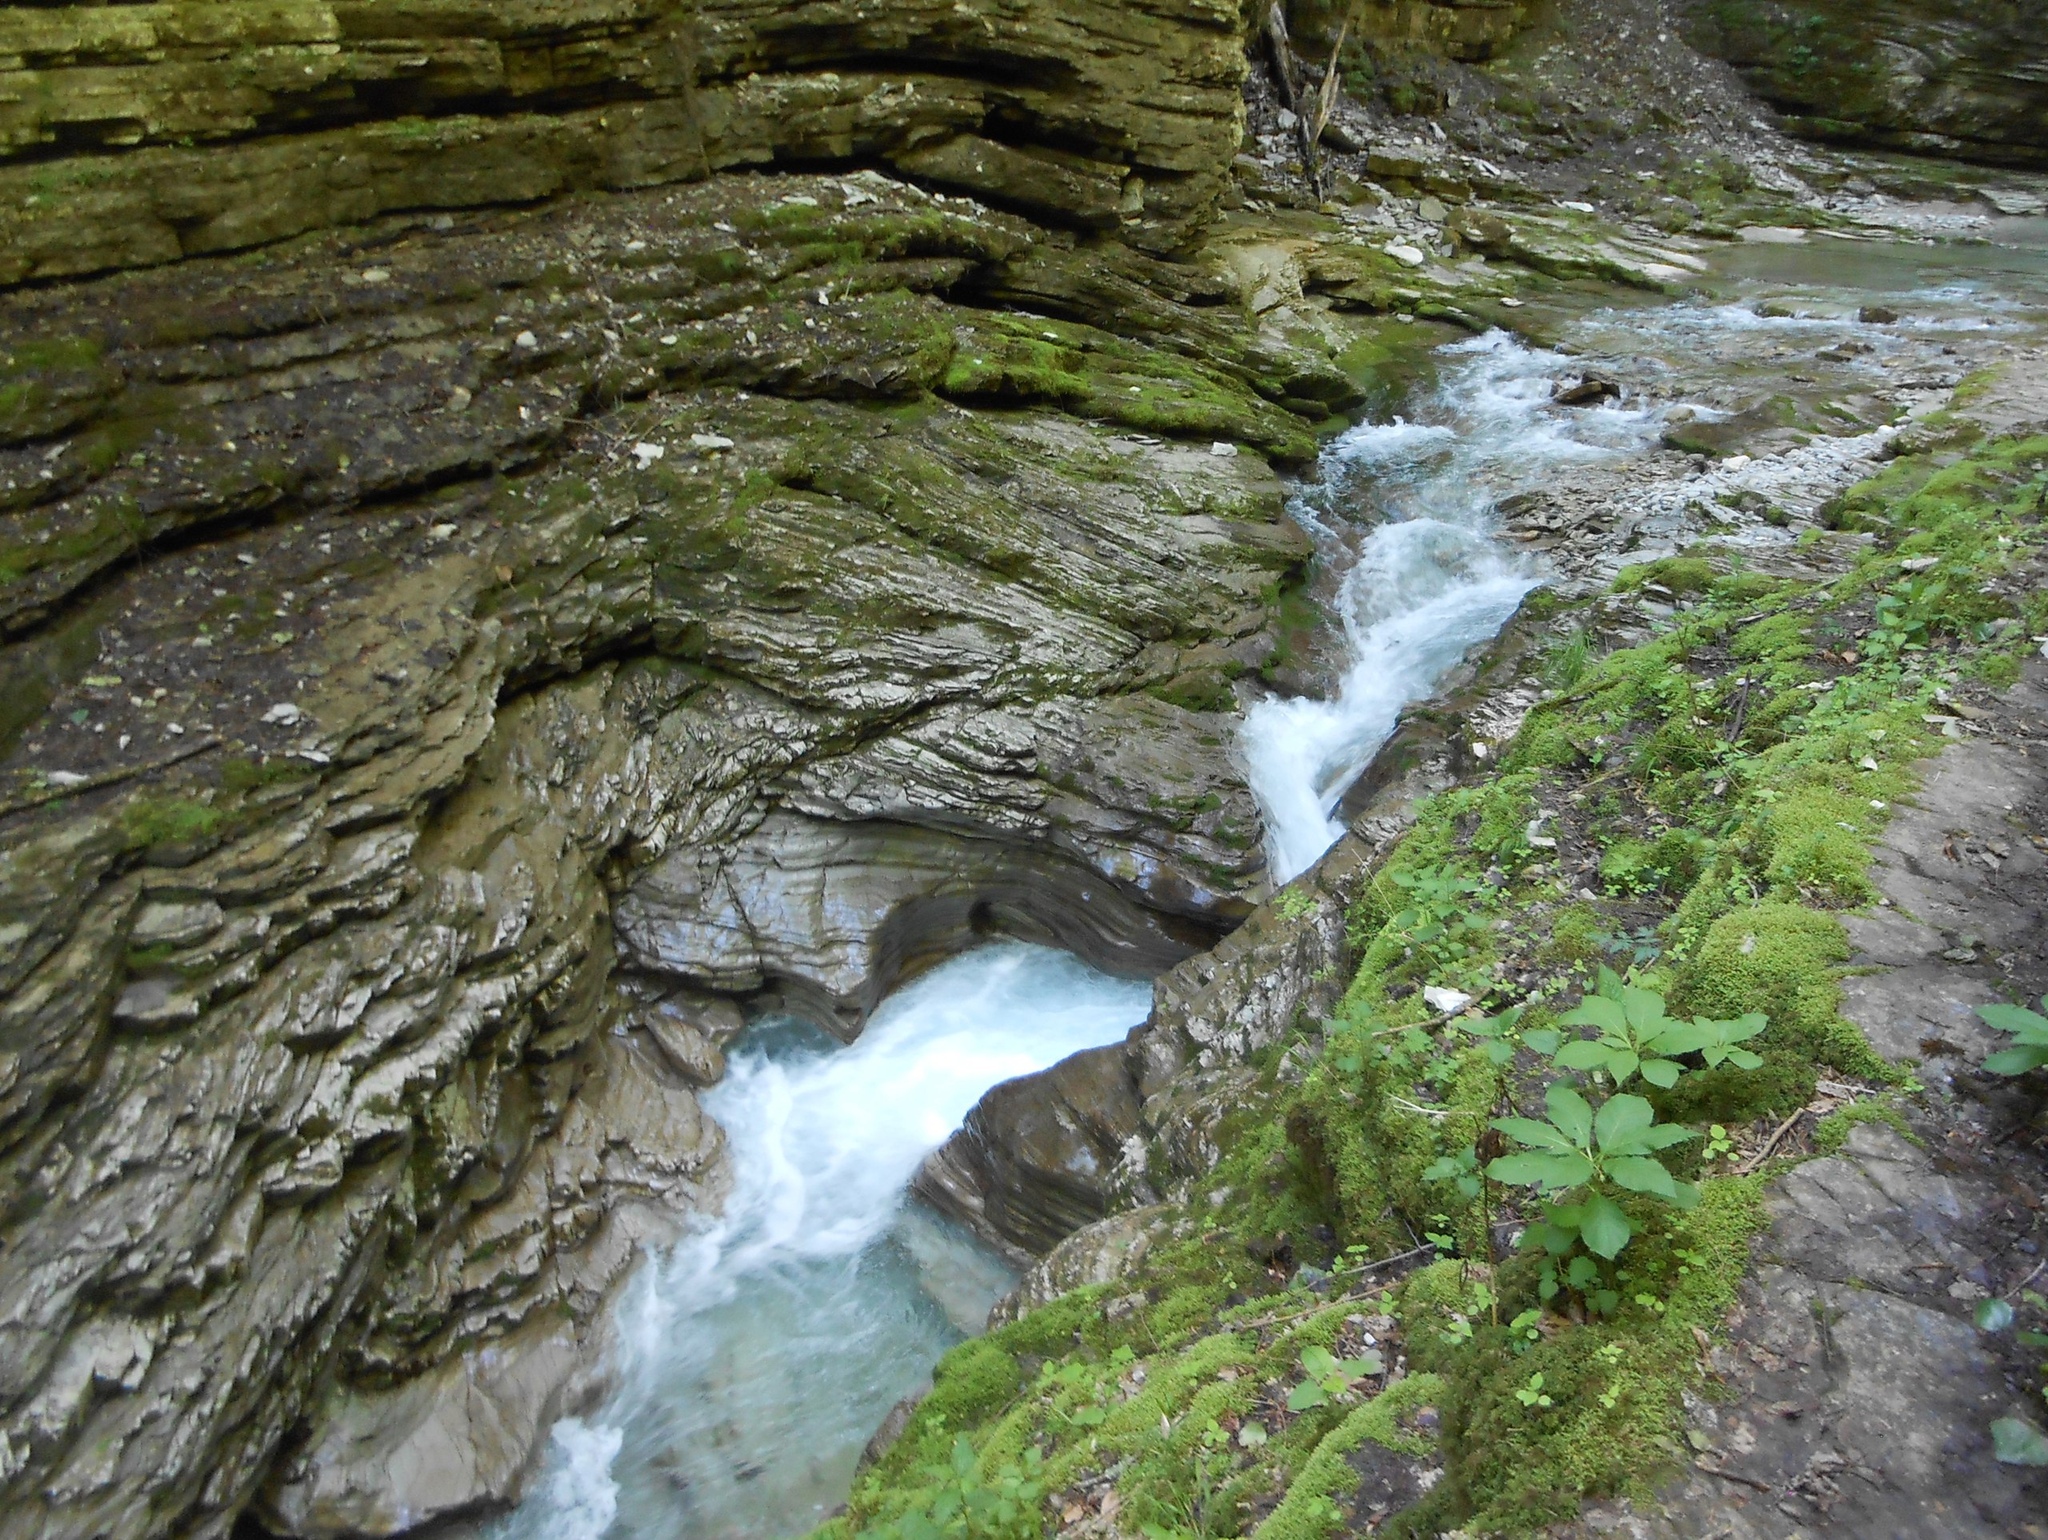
[
  {"x": 279, "y": 122},
  {"x": 349, "y": 1084},
  {"x": 1096, "y": 1253},
  {"x": 1877, "y": 315},
  {"x": 1407, "y": 256},
  {"x": 1587, "y": 390},
  {"x": 1033, "y": 1161},
  {"x": 1929, "y": 76}
]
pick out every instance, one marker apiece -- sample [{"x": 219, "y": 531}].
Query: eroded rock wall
[
  {"x": 139, "y": 134},
  {"x": 398, "y": 619},
  {"x": 1946, "y": 77}
]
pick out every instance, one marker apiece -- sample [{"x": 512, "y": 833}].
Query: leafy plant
[
  {"x": 966, "y": 1509},
  {"x": 2030, "y": 1037},
  {"x": 1442, "y": 917},
  {"x": 1329, "y": 1376},
  {"x": 1636, "y": 1037},
  {"x": 1575, "y": 1149},
  {"x": 1531, "y": 1395}
]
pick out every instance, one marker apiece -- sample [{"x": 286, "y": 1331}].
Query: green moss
[
  {"x": 1310, "y": 1509},
  {"x": 1681, "y": 575},
  {"x": 151, "y": 821}
]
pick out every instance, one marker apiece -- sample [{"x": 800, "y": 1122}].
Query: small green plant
[
  {"x": 966, "y": 1509},
  {"x": 2030, "y": 1037},
  {"x": 1329, "y": 1376},
  {"x": 1576, "y": 1150},
  {"x": 1442, "y": 918},
  {"x": 1531, "y": 1395},
  {"x": 1636, "y": 1037}
]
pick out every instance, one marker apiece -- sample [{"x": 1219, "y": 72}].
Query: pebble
[{"x": 1224, "y": 451}]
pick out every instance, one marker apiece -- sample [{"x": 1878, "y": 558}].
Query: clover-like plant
[{"x": 2030, "y": 1037}]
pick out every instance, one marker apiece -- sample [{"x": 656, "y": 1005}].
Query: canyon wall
[
  {"x": 138, "y": 134},
  {"x": 459, "y": 659},
  {"x": 1944, "y": 77}
]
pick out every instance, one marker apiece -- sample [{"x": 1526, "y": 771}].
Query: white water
[
  {"x": 755, "y": 1359},
  {"x": 1405, "y": 515}
]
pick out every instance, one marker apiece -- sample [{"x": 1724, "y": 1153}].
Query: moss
[
  {"x": 1310, "y": 1511},
  {"x": 1681, "y": 575},
  {"x": 147, "y": 822}
]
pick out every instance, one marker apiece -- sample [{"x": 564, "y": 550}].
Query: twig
[
  {"x": 2009, "y": 1293},
  {"x": 105, "y": 778},
  {"x": 1326, "y": 99},
  {"x": 1770, "y": 1144}
]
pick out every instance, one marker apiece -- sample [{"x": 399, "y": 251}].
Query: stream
[{"x": 754, "y": 1359}]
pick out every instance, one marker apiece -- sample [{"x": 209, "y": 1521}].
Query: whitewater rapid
[
  {"x": 1405, "y": 515},
  {"x": 756, "y": 1357}
]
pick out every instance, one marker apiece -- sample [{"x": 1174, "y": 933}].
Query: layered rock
[
  {"x": 1949, "y": 77},
  {"x": 391, "y": 612},
  {"x": 145, "y": 133}
]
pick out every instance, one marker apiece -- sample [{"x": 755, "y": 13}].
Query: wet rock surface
[{"x": 479, "y": 584}]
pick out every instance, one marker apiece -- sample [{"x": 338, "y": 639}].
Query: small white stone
[
  {"x": 1224, "y": 451},
  {"x": 1512, "y": 304},
  {"x": 710, "y": 441},
  {"x": 283, "y": 712},
  {"x": 376, "y": 275},
  {"x": 1446, "y": 1001},
  {"x": 1575, "y": 205},
  {"x": 526, "y": 340},
  {"x": 1919, "y": 563},
  {"x": 66, "y": 778},
  {"x": 246, "y": 559},
  {"x": 647, "y": 453},
  {"x": 1407, "y": 256}
]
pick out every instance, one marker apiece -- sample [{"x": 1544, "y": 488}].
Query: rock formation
[
  {"x": 1946, "y": 77},
  {"x": 455, "y": 661}
]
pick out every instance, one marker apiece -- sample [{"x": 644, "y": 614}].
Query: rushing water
[
  {"x": 1405, "y": 513},
  {"x": 754, "y": 1360}
]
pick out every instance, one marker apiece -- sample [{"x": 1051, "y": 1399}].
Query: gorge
[{"x": 612, "y": 611}]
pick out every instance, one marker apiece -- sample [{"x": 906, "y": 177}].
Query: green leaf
[
  {"x": 1644, "y": 1007},
  {"x": 1597, "y": 1011},
  {"x": 1583, "y": 1053},
  {"x": 1662, "y": 1136},
  {"x": 1568, "y": 1110},
  {"x": 1318, "y": 1361},
  {"x": 1993, "y": 1315},
  {"x": 1661, "y": 1072},
  {"x": 2017, "y": 1442},
  {"x": 1639, "y": 1173},
  {"x": 1306, "y": 1395},
  {"x": 1742, "y": 1058},
  {"x": 2016, "y": 1061},
  {"x": 1621, "y": 1119},
  {"x": 2015, "y": 1018},
  {"x": 1553, "y": 1170},
  {"x": 1529, "y": 1131},
  {"x": 1543, "y": 1039},
  {"x": 1622, "y": 1065},
  {"x": 1369, "y": 1363},
  {"x": 1604, "y": 1227},
  {"x": 1685, "y": 1196}
]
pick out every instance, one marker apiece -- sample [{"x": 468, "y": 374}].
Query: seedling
[{"x": 2030, "y": 1037}]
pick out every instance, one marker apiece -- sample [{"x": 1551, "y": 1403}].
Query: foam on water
[
  {"x": 754, "y": 1359},
  {"x": 1406, "y": 516}
]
